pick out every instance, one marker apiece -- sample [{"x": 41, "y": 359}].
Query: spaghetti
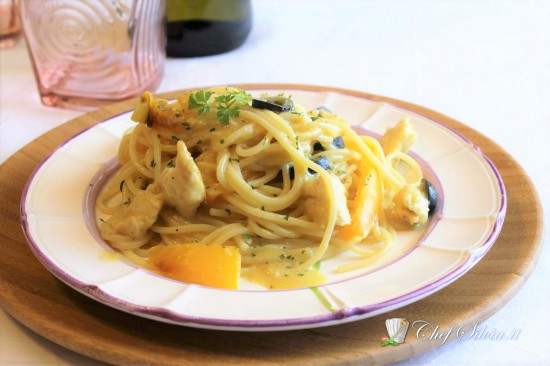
[{"x": 282, "y": 187}]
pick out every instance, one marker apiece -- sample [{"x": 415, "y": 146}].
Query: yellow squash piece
[
  {"x": 368, "y": 207},
  {"x": 211, "y": 265}
]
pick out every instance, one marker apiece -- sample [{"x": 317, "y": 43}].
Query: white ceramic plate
[{"x": 58, "y": 219}]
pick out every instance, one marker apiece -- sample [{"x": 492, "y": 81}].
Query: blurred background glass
[
  {"x": 10, "y": 28},
  {"x": 88, "y": 53}
]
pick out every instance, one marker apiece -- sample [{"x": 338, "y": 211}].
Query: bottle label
[{"x": 229, "y": 10}]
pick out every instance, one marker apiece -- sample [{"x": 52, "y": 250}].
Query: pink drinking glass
[
  {"x": 89, "y": 53},
  {"x": 10, "y": 29}
]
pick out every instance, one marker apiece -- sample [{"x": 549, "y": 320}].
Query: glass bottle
[{"x": 206, "y": 27}]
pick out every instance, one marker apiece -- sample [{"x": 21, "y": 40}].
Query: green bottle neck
[{"x": 228, "y": 10}]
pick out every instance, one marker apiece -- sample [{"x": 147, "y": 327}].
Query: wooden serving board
[{"x": 47, "y": 306}]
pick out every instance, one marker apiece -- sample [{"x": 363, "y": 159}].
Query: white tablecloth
[{"x": 485, "y": 63}]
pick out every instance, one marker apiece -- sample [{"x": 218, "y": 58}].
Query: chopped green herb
[
  {"x": 247, "y": 236},
  {"x": 127, "y": 202},
  {"x": 100, "y": 219},
  {"x": 121, "y": 185},
  {"x": 253, "y": 254},
  {"x": 171, "y": 164},
  {"x": 323, "y": 299},
  {"x": 286, "y": 218},
  {"x": 222, "y": 141},
  {"x": 152, "y": 164},
  {"x": 228, "y": 211},
  {"x": 175, "y": 138},
  {"x": 282, "y": 256},
  {"x": 226, "y": 109},
  {"x": 227, "y": 105},
  {"x": 199, "y": 101},
  {"x": 317, "y": 265},
  {"x": 263, "y": 208},
  {"x": 212, "y": 129}
]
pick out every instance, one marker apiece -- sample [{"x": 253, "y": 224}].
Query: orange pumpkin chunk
[{"x": 211, "y": 265}]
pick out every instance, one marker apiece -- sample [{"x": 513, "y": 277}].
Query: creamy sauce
[
  {"x": 284, "y": 272},
  {"x": 275, "y": 277}
]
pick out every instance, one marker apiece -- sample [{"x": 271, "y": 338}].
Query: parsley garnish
[
  {"x": 171, "y": 164},
  {"x": 199, "y": 101},
  {"x": 226, "y": 108},
  {"x": 152, "y": 164},
  {"x": 226, "y": 105}
]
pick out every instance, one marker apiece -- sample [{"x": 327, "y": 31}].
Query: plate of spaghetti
[{"x": 262, "y": 209}]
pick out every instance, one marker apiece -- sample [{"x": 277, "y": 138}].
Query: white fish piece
[
  {"x": 141, "y": 213},
  {"x": 315, "y": 192},
  {"x": 397, "y": 329},
  {"x": 399, "y": 138},
  {"x": 182, "y": 185}
]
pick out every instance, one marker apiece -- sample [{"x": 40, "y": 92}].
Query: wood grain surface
[{"x": 47, "y": 306}]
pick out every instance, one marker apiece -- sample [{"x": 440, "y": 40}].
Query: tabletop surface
[{"x": 484, "y": 63}]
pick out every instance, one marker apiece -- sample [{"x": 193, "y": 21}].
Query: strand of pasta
[
  {"x": 189, "y": 228},
  {"x": 260, "y": 231},
  {"x": 243, "y": 151},
  {"x": 134, "y": 155},
  {"x": 399, "y": 156},
  {"x": 223, "y": 234},
  {"x": 245, "y": 209},
  {"x": 386, "y": 176},
  {"x": 277, "y": 123},
  {"x": 249, "y": 193}
]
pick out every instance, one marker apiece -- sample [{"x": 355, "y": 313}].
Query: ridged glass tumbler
[{"x": 88, "y": 53}]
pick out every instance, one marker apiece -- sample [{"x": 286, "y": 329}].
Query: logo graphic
[{"x": 397, "y": 330}]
